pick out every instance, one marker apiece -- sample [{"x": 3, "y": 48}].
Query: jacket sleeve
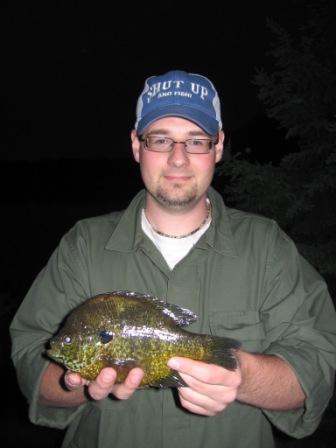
[
  {"x": 59, "y": 287},
  {"x": 300, "y": 322}
]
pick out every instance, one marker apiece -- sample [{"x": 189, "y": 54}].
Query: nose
[{"x": 178, "y": 155}]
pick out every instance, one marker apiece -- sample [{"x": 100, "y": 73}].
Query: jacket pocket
[{"x": 245, "y": 326}]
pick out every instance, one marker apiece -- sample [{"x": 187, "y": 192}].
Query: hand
[
  {"x": 104, "y": 384},
  {"x": 211, "y": 388}
]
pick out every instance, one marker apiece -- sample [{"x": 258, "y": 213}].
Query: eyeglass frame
[{"x": 173, "y": 142}]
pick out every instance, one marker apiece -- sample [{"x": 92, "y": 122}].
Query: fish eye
[
  {"x": 67, "y": 339},
  {"x": 105, "y": 336}
]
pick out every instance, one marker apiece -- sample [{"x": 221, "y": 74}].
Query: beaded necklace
[{"x": 208, "y": 216}]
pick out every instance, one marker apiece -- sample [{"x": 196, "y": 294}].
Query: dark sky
[{"x": 74, "y": 70}]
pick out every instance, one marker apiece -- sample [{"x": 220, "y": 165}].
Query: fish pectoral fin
[
  {"x": 119, "y": 363},
  {"x": 122, "y": 366},
  {"x": 172, "y": 380}
]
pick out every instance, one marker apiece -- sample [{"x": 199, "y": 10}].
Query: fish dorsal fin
[{"x": 181, "y": 316}]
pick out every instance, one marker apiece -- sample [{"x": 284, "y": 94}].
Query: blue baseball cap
[{"x": 179, "y": 94}]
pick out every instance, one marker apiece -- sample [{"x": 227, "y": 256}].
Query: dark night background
[{"x": 72, "y": 72}]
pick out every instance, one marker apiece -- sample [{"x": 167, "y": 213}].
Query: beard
[{"x": 177, "y": 197}]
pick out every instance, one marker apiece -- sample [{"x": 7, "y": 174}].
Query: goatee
[{"x": 175, "y": 202}]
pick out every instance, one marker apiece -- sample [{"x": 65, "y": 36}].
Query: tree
[{"x": 300, "y": 95}]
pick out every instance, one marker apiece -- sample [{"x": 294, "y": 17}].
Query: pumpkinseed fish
[{"x": 125, "y": 329}]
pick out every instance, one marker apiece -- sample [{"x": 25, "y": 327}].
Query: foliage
[{"x": 300, "y": 95}]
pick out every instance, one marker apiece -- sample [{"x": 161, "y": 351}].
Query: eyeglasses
[{"x": 158, "y": 143}]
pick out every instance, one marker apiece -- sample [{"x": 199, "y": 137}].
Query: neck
[{"x": 178, "y": 223}]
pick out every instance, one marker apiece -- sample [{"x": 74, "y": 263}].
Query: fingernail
[
  {"x": 173, "y": 364},
  {"x": 73, "y": 380}
]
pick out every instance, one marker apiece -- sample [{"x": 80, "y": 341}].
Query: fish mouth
[{"x": 55, "y": 356}]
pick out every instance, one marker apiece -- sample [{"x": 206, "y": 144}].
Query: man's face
[{"x": 176, "y": 179}]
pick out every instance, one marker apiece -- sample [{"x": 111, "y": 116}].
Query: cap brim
[{"x": 204, "y": 121}]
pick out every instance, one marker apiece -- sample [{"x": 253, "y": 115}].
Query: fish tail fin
[{"x": 222, "y": 351}]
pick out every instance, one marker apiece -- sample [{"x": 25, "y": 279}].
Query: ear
[
  {"x": 135, "y": 145},
  {"x": 219, "y": 148}
]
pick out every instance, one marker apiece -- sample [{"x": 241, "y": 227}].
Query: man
[{"x": 238, "y": 272}]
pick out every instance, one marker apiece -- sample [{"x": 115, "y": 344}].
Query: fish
[{"x": 126, "y": 329}]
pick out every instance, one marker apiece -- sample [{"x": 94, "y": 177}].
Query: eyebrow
[{"x": 164, "y": 131}]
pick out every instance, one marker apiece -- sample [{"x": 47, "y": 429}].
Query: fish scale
[{"x": 127, "y": 329}]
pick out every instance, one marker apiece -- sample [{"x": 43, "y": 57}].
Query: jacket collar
[
  {"x": 219, "y": 235},
  {"x": 128, "y": 235}
]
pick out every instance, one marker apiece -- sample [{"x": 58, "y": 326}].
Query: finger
[
  {"x": 73, "y": 380},
  {"x": 204, "y": 372},
  {"x": 195, "y": 407},
  {"x": 200, "y": 386},
  {"x": 103, "y": 384},
  {"x": 211, "y": 405},
  {"x": 132, "y": 382},
  {"x": 207, "y": 373}
]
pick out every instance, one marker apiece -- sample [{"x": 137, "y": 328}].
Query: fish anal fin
[{"x": 172, "y": 380}]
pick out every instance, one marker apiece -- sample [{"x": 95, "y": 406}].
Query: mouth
[
  {"x": 175, "y": 178},
  {"x": 51, "y": 354}
]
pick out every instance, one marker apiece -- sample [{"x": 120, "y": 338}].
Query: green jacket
[{"x": 244, "y": 279}]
